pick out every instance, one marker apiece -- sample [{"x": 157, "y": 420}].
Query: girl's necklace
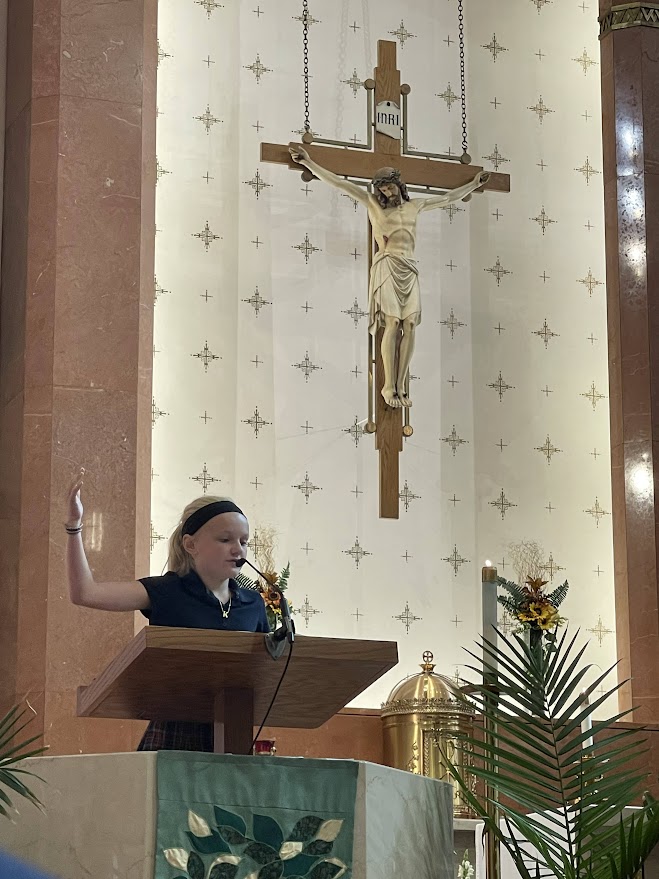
[{"x": 225, "y": 613}]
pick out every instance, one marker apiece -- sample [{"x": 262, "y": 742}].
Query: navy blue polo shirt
[{"x": 185, "y": 602}]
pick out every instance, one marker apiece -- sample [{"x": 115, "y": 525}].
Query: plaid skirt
[{"x": 177, "y": 735}]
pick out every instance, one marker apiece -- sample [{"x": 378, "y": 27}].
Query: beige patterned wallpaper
[{"x": 260, "y": 324}]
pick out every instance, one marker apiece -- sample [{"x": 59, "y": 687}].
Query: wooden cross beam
[{"x": 362, "y": 164}]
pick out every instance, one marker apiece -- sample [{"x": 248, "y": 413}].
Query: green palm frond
[
  {"x": 515, "y": 597},
  {"x": 509, "y": 605},
  {"x": 636, "y": 841},
  {"x": 557, "y": 597},
  {"x": 282, "y": 582},
  {"x": 11, "y": 753},
  {"x": 561, "y": 799},
  {"x": 514, "y": 590},
  {"x": 246, "y": 582}
]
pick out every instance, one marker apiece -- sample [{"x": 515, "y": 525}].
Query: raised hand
[{"x": 73, "y": 502}]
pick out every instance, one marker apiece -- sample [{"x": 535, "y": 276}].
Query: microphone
[{"x": 275, "y": 641}]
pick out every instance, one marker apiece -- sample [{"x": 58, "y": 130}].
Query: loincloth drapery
[{"x": 393, "y": 290}]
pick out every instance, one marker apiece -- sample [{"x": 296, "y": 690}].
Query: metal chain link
[
  {"x": 305, "y": 23},
  {"x": 463, "y": 87}
]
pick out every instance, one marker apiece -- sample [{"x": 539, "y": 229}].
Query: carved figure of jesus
[{"x": 394, "y": 293}]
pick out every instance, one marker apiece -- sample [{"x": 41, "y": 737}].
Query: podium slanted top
[{"x": 175, "y": 674}]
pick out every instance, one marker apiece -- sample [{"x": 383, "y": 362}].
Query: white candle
[
  {"x": 586, "y": 723},
  {"x": 489, "y": 609}
]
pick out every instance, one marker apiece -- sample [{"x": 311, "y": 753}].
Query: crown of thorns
[
  {"x": 386, "y": 175},
  {"x": 382, "y": 178}
]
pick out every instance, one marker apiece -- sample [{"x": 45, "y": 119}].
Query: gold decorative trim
[
  {"x": 629, "y": 15},
  {"x": 426, "y": 753},
  {"x": 426, "y": 706}
]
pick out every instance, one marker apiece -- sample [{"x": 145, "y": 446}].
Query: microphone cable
[
  {"x": 274, "y": 698},
  {"x": 288, "y": 658}
]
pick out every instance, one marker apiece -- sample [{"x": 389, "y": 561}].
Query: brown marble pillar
[
  {"x": 75, "y": 341},
  {"x": 630, "y": 118}
]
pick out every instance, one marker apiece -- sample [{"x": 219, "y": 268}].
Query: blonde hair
[{"x": 179, "y": 559}]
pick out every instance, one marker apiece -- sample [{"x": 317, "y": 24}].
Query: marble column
[
  {"x": 75, "y": 342},
  {"x": 630, "y": 118},
  {"x": 3, "y": 77}
]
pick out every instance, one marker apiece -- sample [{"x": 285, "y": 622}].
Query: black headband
[{"x": 194, "y": 522}]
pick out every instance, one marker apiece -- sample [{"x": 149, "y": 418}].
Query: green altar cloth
[{"x": 264, "y": 818}]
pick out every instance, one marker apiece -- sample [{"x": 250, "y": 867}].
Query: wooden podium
[{"x": 229, "y": 679}]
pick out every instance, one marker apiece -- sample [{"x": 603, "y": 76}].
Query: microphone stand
[{"x": 275, "y": 642}]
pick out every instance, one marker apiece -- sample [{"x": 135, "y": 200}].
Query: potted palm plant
[
  {"x": 557, "y": 782},
  {"x": 12, "y": 782}
]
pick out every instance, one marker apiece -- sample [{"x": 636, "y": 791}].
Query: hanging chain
[
  {"x": 305, "y": 23},
  {"x": 463, "y": 86}
]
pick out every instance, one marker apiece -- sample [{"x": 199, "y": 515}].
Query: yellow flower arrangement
[
  {"x": 530, "y": 606},
  {"x": 264, "y": 550},
  {"x": 271, "y": 596}
]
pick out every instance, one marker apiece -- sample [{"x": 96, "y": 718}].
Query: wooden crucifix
[{"x": 335, "y": 166}]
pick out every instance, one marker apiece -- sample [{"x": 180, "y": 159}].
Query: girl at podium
[{"x": 197, "y": 592}]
